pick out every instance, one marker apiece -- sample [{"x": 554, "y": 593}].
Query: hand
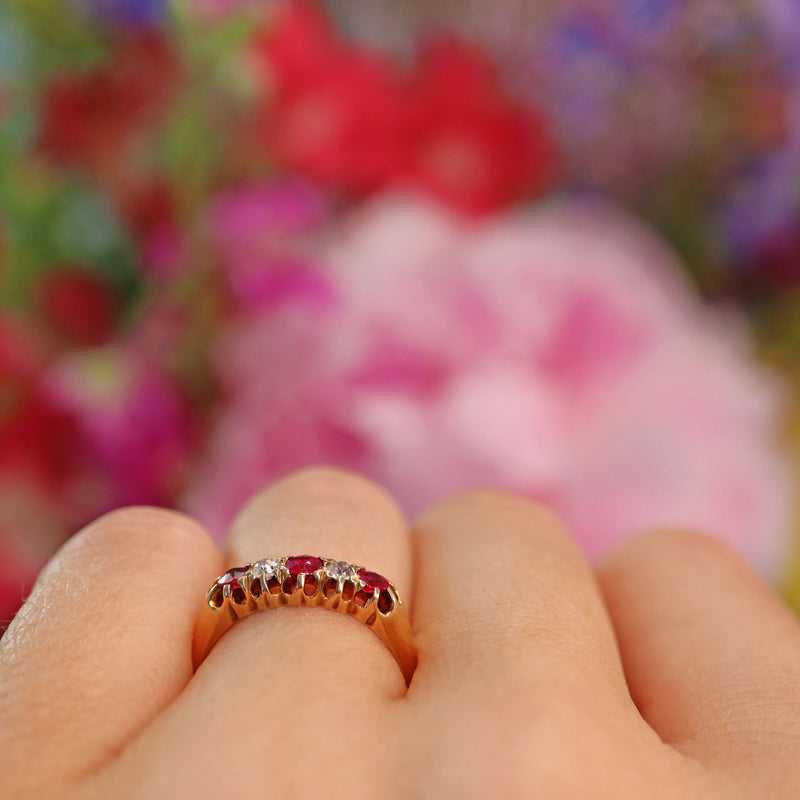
[{"x": 672, "y": 672}]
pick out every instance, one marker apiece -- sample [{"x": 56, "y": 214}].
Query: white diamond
[
  {"x": 340, "y": 569},
  {"x": 265, "y": 568}
]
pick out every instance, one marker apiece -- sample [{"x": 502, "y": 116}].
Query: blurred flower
[
  {"x": 215, "y": 10},
  {"x": 472, "y": 147},
  {"x": 333, "y": 111},
  {"x": 92, "y": 119},
  {"x": 127, "y": 13},
  {"x": 37, "y": 441},
  {"x": 78, "y": 304},
  {"x": 779, "y": 259},
  {"x": 257, "y": 233},
  {"x": 204, "y": 160},
  {"x": 131, "y": 419},
  {"x": 40, "y": 458},
  {"x": 355, "y": 121},
  {"x": 556, "y": 354},
  {"x": 689, "y": 111},
  {"x": 149, "y": 208},
  {"x": 82, "y": 430}
]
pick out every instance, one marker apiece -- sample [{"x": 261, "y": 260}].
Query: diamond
[
  {"x": 303, "y": 565},
  {"x": 340, "y": 569},
  {"x": 372, "y": 580},
  {"x": 265, "y": 568}
]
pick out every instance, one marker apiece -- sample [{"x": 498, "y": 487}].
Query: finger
[
  {"x": 505, "y": 600},
  {"x": 102, "y": 645},
  {"x": 287, "y": 681},
  {"x": 327, "y": 513},
  {"x": 711, "y": 655}
]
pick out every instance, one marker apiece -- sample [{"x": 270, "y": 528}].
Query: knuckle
[
  {"x": 335, "y": 480},
  {"x": 139, "y": 533},
  {"x": 675, "y": 546},
  {"x": 326, "y": 485},
  {"x": 493, "y": 504}
]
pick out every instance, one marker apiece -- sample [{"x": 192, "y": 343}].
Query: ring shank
[{"x": 216, "y": 618}]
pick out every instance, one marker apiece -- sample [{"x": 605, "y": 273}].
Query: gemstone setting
[
  {"x": 340, "y": 569},
  {"x": 306, "y": 575},
  {"x": 264, "y": 569},
  {"x": 306, "y": 581},
  {"x": 232, "y": 578},
  {"x": 229, "y": 585},
  {"x": 303, "y": 565},
  {"x": 372, "y": 580}
]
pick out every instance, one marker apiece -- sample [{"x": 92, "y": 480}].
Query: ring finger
[
  {"x": 325, "y": 513},
  {"x": 280, "y": 681}
]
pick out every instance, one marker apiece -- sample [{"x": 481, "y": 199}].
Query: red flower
[
  {"x": 336, "y": 113},
  {"x": 467, "y": 143},
  {"x": 781, "y": 259},
  {"x": 152, "y": 216},
  {"x": 148, "y": 206},
  {"x": 354, "y": 121},
  {"x": 37, "y": 442},
  {"x": 79, "y": 305},
  {"x": 93, "y": 118},
  {"x": 40, "y": 451}
]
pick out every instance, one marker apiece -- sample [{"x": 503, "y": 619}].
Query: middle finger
[{"x": 505, "y": 599}]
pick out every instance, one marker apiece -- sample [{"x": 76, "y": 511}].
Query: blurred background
[{"x": 546, "y": 245}]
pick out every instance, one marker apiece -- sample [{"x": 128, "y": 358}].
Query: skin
[{"x": 669, "y": 671}]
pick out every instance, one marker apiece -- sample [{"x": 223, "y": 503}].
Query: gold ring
[{"x": 307, "y": 581}]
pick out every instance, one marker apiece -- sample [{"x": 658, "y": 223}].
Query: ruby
[
  {"x": 232, "y": 577},
  {"x": 303, "y": 565},
  {"x": 372, "y": 580}
]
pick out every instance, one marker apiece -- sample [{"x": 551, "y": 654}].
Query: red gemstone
[
  {"x": 372, "y": 580},
  {"x": 231, "y": 578},
  {"x": 304, "y": 565}
]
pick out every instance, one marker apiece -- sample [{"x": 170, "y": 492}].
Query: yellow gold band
[{"x": 294, "y": 581}]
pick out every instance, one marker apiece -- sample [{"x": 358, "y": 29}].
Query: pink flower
[
  {"x": 556, "y": 353},
  {"x": 81, "y": 432},
  {"x": 257, "y": 234},
  {"x": 41, "y": 461},
  {"x": 132, "y": 422}
]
